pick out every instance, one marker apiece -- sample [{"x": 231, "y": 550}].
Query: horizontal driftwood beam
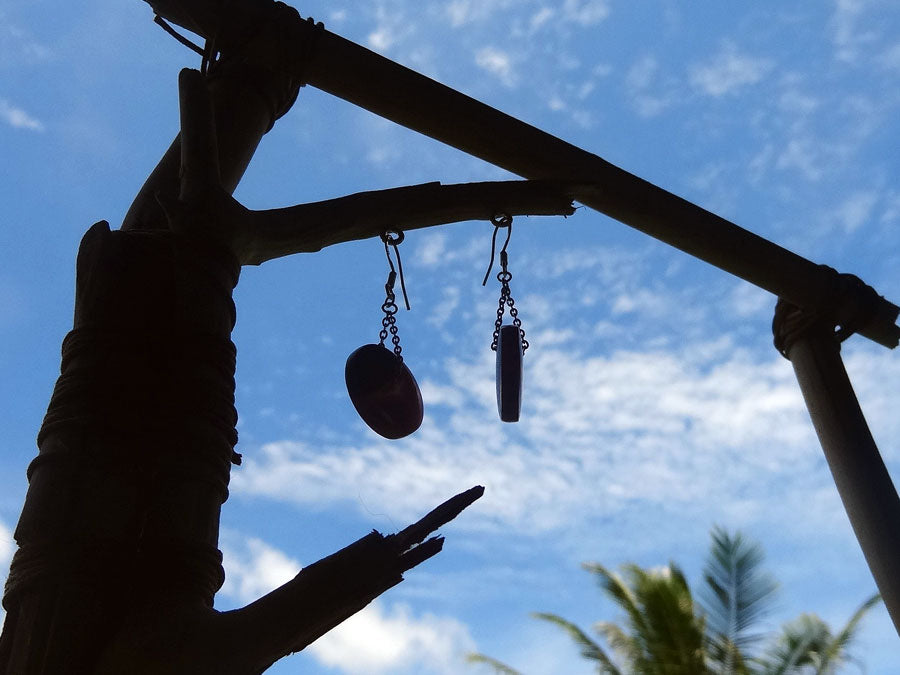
[
  {"x": 369, "y": 80},
  {"x": 311, "y": 227}
]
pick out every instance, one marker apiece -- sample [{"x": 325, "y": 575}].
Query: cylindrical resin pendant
[{"x": 509, "y": 373}]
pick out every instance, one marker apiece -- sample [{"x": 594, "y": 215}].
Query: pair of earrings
[{"x": 382, "y": 387}]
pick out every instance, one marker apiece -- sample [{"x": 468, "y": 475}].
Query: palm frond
[
  {"x": 614, "y": 586},
  {"x": 800, "y": 643},
  {"x": 674, "y": 634},
  {"x": 588, "y": 648},
  {"x": 736, "y": 595},
  {"x": 499, "y": 667},
  {"x": 836, "y": 652},
  {"x": 623, "y": 645}
]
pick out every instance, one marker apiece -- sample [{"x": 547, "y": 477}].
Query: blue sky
[{"x": 655, "y": 405}]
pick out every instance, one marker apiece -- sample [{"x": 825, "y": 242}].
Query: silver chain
[
  {"x": 389, "y": 322},
  {"x": 389, "y": 306},
  {"x": 504, "y": 276}
]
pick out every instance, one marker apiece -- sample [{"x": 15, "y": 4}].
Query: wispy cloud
[
  {"x": 890, "y": 58},
  {"x": 462, "y": 12},
  {"x": 802, "y": 154},
  {"x": 7, "y": 546},
  {"x": 728, "y": 71},
  {"x": 847, "y": 35},
  {"x": 585, "y": 12},
  {"x": 498, "y": 63},
  {"x": 679, "y": 431},
  {"x": 19, "y": 47},
  {"x": 394, "y": 640},
  {"x": 857, "y": 209},
  {"x": 18, "y": 118},
  {"x": 648, "y": 95},
  {"x": 391, "y": 27},
  {"x": 617, "y": 411},
  {"x": 373, "y": 641},
  {"x": 253, "y": 567}
]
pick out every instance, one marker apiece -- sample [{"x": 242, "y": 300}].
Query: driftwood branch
[
  {"x": 311, "y": 227},
  {"x": 326, "y": 593},
  {"x": 197, "y": 640}
]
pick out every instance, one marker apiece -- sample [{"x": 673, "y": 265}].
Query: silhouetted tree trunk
[{"x": 118, "y": 558}]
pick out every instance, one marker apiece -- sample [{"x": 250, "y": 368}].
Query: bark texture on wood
[{"x": 123, "y": 503}]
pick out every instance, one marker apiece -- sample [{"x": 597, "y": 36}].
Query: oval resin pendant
[
  {"x": 509, "y": 373},
  {"x": 384, "y": 391}
]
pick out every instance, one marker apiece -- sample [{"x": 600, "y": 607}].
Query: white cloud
[
  {"x": 642, "y": 72},
  {"x": 442, "y": 310},
  {"x": 18, "y": 118},
  {"x": 432, "y": 249},
  {"x": 617, "y": 415},
  {"x": 391, "y": 27},
  {"x": 498, "y": 63},
  {"x": 462, "y": 12},
  {"x": 728, "y": 71},
  {"x": 377, "y": 640},
  {"x": 890, "y": 59},
  {"x": 671, "y": 429},
  {"x": 253, "y": 567},
  {"x": 7, "y": 546},
  {"x": 749, "y": 300},
  {"x": 856, "y": 210},
  {"x": 641, "y": 82},
  {"x": 381, "y": 39},
  {"x": 798, "y": 103},
  {"x": 847, "y": 37},
  {"x": 585, "y": 12},
  {"x": 540, "y": 18},
  {"x": 18, "y": 46},
  {"x": 801, "y": 154},
  {"x": 372, "y": 641}
]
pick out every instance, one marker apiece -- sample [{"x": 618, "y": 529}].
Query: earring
[
  {"x": 509, "y": 340},
  {"x": 381, "y": 386}
]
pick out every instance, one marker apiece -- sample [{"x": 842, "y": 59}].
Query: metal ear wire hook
[
  {"x": 499, "y": 220},
  {"x": 391, "y": 238}
]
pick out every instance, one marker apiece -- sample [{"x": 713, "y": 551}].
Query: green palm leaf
[
  {"x": 736, "y": 596},
  {"x": 624, "y": 646},
  {"x": 666, "y": 632},
  {"x": 836, "y": 652},
  {"x": 663, "y": 634},
  {"x": 799, "y": 644},
  {"x": 499, "y": 667},
  {"x": 807, "y": 641},
  {"x": 589, "y": 649}
]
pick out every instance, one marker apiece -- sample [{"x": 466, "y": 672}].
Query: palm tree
[{"x": 667, "y": 631}]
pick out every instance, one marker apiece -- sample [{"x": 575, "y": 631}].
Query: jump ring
[{"x": 395, "y": 240}]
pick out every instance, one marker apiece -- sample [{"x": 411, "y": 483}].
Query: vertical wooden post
[
  {"x": 121, "y": 517},
  {"x": 862, "y": 480}
]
